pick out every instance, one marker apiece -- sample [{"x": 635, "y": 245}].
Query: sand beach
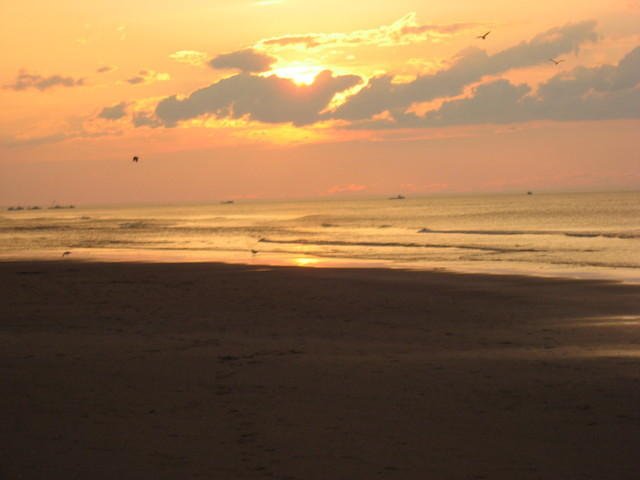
[{"x": 237, "y": 372}]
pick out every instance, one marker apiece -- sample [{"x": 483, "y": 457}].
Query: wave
[
  {"x": 37, "y": 228},
  {"x": 621, "y": 235},
  {"x": 624, "y": 236},
  {"x": 483, "y": 232},
  {"x": 135, "y": 225},
  {"x": 344, "y": 243}
]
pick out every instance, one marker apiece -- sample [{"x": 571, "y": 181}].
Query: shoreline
[
  {"x": 625, "y": 276},
  {"x": 209, "y": 370}
]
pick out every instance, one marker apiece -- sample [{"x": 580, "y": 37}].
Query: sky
[{"x": 264, "y": 99}]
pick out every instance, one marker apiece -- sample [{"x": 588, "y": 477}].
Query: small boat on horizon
[
  {"x": 397, "y": 197},
  {"x": 227, "y": 202}
]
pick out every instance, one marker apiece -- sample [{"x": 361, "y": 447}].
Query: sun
[
  {"x": 305, "y": 261},
  {"x": 299, "y": 73}
]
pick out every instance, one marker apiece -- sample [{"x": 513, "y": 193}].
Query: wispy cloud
[
  {"x": 191, "y": 57},
  {"x": 146, "y": 77},
  {"x": 14, "y": 142},
  {"x": 106, "y": 69},
  {"x": 404, "y": 31},
  {"x": 34, "y": 141},
  {"x": 26, "y": 81}
]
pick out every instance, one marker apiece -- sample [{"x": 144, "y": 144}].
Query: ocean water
[{"x": 589, "y": 235}]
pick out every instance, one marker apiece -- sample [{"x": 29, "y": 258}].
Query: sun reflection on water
[{"x": 305, "y": 261}]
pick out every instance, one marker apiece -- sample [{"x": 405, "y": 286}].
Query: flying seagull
[
  {"x": 484, "y": 37},
  {"x": 135, "y": 159},
  {"x": 64, "y": 254},
  {"x": 557, "y": 62}
]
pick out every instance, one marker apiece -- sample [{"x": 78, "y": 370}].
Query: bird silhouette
[
  {"x": 484, "y": 37},
  {"x": 135, "y": 159},
  {"x": 557, "y": 62},
  {"x": 254, "y": 251},
  {"x": 64, "y": 254}
]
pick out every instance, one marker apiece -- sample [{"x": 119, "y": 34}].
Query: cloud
[
  {"x": 115, "y": 112},
  {"x": 607, "y": 78},
  {"x": 603, "y": 92},
  {"x": 247, "y": 60},
  {"x": 191, "y": 57},
  {"x": 265, "y": 99},
  {"x": 145, "y": 119},
  {"x": 494, "y": 102},
  {"x": 146, "y": 77},
  {"x": 17, "y": 142},
  {"x": 34, "y": 141},
  {"x": 583, "y": 94},
  {"x": 404, "y": 31},
  {"x": 381, "y": 94},
  {"x": 105, "y": 69},
  {"x": 25, "y": 81}
]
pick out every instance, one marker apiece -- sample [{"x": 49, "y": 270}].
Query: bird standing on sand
[
  {"x": 484, "y": 37},
  {"x": 557, "y": 62},
  {"x": 64, "y": 254},
  {"x": 135, "y": 159}
]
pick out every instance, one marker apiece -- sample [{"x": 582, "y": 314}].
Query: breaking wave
[{"x": 622, "y": 235}]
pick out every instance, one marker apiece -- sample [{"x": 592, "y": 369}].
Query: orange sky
[{"x": 297, "y": 98}]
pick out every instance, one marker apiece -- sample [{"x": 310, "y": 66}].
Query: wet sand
[{"x": 181, "y": 371}]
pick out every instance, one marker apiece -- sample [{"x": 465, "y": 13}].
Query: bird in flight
[
  {"x": 484, "y": 37},
  {"x": 135, "y": 159},
  {"x": 64, "y": 254},
  {"x": 557, "y": 62}
]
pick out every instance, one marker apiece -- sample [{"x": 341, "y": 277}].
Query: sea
[{"x": 578, "y": 235}]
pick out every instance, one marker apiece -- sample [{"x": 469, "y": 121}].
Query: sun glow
[
  {"x": 305, "y": 261},
  {"x": 301, "y": 74}
]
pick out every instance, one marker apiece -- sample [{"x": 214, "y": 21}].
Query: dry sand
[{"x": 183, "y": 371}]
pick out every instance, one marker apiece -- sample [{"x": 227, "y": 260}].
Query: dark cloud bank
[
  {"x": 605, "y": 92},
  {"x": 471, "y": 65},
  {"x": 584, "y": 94},
  {"x": 265, "y": 99}
]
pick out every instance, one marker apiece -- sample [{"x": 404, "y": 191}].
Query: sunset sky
[{"x": 240, "y": 99}]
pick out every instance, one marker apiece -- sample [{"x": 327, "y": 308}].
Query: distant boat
[
  {"x": 397, "y": 197},
  {"x": 55, "y": 206},
  {"x": 529, "y": 193},
  {"x": 227, "y": 202}
]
